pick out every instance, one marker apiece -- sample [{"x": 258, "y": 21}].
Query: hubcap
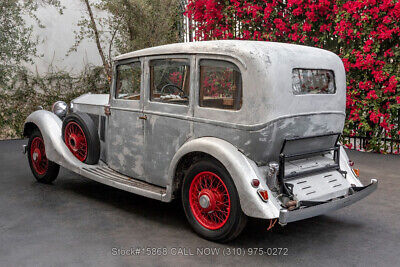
[
  {"x": 209, "y": 200},
  {"x": 204, "y": 201},
  {"x": 38, "y": 156},
  {"x": 74, "y": 142}
]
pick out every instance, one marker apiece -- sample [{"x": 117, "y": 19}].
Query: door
[
  {"x": 125, "y": 137},
  {"x": 168, "y": 109}
]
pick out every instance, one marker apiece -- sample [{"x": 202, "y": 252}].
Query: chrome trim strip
[
  {"x": 126, "y": 109},
  {"x": 254, "y": 127}
]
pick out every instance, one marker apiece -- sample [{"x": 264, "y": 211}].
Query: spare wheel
[{"x": 81, "y": 137}]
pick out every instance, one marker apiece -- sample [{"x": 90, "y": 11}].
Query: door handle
[{"x": 144, "y": 117}]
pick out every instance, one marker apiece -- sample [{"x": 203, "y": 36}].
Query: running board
[{"x": 103, "y": 174}]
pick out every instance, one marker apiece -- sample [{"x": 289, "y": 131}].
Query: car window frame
[
  {"x": 149, "y": 81},
  {"x": 198, "y": 85},
  {"x": 167, "y": 109},
  {"x": 133, "y": 105},
  {"x": 141, "y": 80}
]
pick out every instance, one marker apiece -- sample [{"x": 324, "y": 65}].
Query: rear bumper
[{"x": 286, "y": 216}]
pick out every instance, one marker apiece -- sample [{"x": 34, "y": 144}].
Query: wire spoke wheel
[
  {"x": 76, "y": 140},
  {"x": 209, "y": 200},
  {"x": 38, "y": 156}
]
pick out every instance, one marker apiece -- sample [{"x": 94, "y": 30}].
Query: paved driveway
[{"x": 77, "y": 221}]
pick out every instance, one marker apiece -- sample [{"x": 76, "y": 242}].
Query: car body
[{"x": 255, "y": 108}]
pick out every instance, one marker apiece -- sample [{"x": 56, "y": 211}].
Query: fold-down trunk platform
[
  {"x": 354, "y": 195},
  {"x": 319, "y": 186}
]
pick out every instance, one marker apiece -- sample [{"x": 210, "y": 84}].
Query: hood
[{"x": 90, "y": 103}]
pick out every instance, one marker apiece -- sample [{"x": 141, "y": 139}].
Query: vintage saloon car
[{"x": 233, "y": 128}]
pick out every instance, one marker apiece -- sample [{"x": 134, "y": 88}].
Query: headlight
[{"x": 60, "y": 108}]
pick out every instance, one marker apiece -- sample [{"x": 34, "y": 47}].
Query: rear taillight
[
  {"x": 255, "y": 183},
  {"x": 351, "y": 163},
  {"x": 263, "y": 194}
]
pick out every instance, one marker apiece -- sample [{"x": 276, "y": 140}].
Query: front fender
[
  {"x": 241, "y": 169},
  {"x": 50, "y": 127}
]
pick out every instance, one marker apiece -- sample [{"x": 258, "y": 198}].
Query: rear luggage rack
[
  {"x": 310, "y": 209},
  {"x": 288, "y": 152}
]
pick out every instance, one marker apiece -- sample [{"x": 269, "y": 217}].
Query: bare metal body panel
[{"x": 125, "y": 141}]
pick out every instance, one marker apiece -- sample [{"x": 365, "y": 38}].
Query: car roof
[{"x": 239, "y": 49}]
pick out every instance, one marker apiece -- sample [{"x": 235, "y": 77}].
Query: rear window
[{"x": 313, "y": 81}]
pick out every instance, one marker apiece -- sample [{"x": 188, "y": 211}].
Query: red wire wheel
[
  {"x": 209, "y": 200},
  {"x": 38, "y": 156},
  {"x": 76, "y": 140}
]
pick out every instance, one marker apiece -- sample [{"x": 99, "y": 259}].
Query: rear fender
[{"x": 241, "y": 169}]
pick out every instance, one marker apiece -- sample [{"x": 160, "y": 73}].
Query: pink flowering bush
[
  {"x": 364, "y": 33},
  {"x": 176, "y": 78},
  {"x": 218, "y": 83}
]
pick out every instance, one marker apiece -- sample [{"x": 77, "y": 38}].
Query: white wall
[{"x": 58, "y": 37}]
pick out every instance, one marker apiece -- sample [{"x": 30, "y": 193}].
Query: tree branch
[
  {"x": 97, "y": 39},
  {"x": 111, "y": 43}
]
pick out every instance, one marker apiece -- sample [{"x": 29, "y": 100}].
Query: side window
[
  {"x": 220, "y": 85},
  {"x": 128, "y": 81},
  {"x": 169, "y": 81}
]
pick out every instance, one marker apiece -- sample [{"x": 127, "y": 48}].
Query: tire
[
  {"x": 80, "y": 135},
  {"x": 213, "y": 209},
  {"x": 44, "y": 170}
]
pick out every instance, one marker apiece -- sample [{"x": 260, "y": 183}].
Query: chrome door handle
[{"x": 144, "y": 117}]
